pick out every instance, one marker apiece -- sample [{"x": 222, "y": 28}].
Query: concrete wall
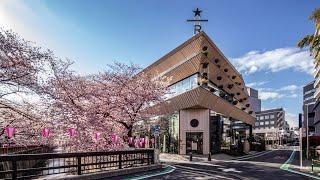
[{"x": 202, "y": 115}]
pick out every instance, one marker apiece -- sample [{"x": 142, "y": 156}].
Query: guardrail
[{"x": 27, "y": 166}]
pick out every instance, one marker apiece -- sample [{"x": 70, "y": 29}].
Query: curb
[
  {"x": 114, "y": 173},
  {"x": 168, "y": 169},
  {"x": 286, "y": 167}
]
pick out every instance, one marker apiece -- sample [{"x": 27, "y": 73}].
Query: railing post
[
  {"x": 120, "y": 161},
  {"x": 152, "y": 156},
  {"x": 14, "y": 169},
  {"x": 79, "y": 165}
]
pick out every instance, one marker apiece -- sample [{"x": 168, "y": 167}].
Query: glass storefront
[
  {"x": 194, "y": 142},
  {"x": 169, "y": 132},
  {"x": 182, "y": 86}
]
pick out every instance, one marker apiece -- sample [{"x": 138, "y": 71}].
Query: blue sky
[{"x": 258, "y": 37}]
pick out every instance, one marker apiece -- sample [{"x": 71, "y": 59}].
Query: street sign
[
  {"x": 156, "y": 133},
  {"x": 155, "y": 130}
]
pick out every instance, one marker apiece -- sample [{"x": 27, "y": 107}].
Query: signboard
[
  {"x": 155, "y": 130},
  {"x": 194, "y": 146}
]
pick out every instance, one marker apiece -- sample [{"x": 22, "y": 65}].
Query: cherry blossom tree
[
  {"x": 133, "y": 91},
  {"x": 39, "y": 90},
  {"x": 21, "y": 67}
]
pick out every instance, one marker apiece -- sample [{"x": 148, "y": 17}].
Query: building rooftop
[{"x": 270, "y": 110}]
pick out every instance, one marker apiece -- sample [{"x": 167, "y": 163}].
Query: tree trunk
[{"x": 129, "y": 128}]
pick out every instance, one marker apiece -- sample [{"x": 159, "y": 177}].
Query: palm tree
[{"x": 313, "y": 41}]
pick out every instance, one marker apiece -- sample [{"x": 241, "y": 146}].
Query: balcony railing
[
  {"x": 316, "y": 83},
  {"x": 316, "y": 72},
  {"x": 27, "y": 166},
  {"x": 317, "y": 93}
]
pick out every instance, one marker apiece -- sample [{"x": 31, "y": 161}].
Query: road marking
[
  {"x": 206, "y": 163},
  {"x": 286, "y": 166},
  {"x": 207, "y": 171},
  {"x": 156, "y": 174},
  {"x": 230, "y": 170},
  {"x": 254, "y": 156},
  {"x": 249, "y": 155}
]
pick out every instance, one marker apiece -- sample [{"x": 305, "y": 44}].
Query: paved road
[{"x": 266, "y": 166}]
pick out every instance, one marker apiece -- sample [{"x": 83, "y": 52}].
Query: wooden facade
[
  {"x": 197, "y": 102},
  {"x": 184, "y": 61}
]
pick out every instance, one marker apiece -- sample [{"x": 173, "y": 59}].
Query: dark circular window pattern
[{"x": 194, "y": 123}]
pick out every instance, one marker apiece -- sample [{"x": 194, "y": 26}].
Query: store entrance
[{"x": 194, "y": 142}]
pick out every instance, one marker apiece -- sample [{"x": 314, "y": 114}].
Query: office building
[
  {"x": 308, "y": 106},
  {"x": 254, "y": 99},
  {"x": 271, "y": 124}
]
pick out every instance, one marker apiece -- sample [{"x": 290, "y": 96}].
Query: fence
[
  {"x": 24, "y": 150},
  {"x": 18, "y": 166}
]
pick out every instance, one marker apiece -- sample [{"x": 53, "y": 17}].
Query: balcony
[
  {"x": 317, "y": 72},
  {"x": 316, "y": 83},
  {"x": 317, "y": 93}
]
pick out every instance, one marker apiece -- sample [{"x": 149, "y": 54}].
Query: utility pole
[
  {"x": 300, "y": 143},
  {"x": 307, "y": 129}
]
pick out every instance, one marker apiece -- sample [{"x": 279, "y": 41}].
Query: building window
[
  {"x": 261, "y": 117},
  {"x": 182, "y": 86},
  {"x": 261, "y": 123},
  {"x": 266, "y": 117},
  {"x": 267, "y": 122},
  {"x": 194, "y": 123},
  {"x": 271, "y": 116},
  {"x": 257, "y": 124},
  {"x": 310, "y": 91},
  {"x": 271, "y": 122}
]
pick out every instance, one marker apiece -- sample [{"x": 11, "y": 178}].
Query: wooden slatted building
[{"x": 203, "y": 82}]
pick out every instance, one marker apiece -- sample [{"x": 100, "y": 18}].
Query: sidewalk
[{"x": 202, "y": 158}]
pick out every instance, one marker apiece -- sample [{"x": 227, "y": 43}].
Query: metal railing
[
  {"x": 27, "y": 166},
  {"x": 24, "y": 150}
]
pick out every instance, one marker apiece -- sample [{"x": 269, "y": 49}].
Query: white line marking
[
  {"x": 208, "y": 172},
  {"x": 157, "y": 174},
  {"x": 254, "y": 156}
]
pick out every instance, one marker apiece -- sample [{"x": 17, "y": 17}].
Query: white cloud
[
  {"x": 256, "y": 84},
  {"x": 269, "y": 95},
  {"x": 292, "y": 119},
  {"x": 275, "y": 60},
  {"x": 289, "y": 88},
  {"x": 288, "y": 91}
]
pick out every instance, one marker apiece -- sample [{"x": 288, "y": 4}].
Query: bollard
[
  {"x": 209, "y": 156},
  {"x": 190, "y": 157},
  {"x": 312, "y": 165}
]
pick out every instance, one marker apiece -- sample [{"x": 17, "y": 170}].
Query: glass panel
[
  {"x": 182, "y": 86},
  {"x": 194, "y": 142}
]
